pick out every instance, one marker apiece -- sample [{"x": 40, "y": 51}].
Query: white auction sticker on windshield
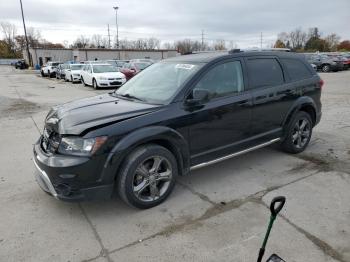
[{"x": 184, "y": 66}]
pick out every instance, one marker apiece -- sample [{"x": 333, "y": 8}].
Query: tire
[
  {"x": 298, "y": 133},
  {"x": 42, "y": 73},
  {"x": 82, "y": 81},
  {"x": 153, "y": 186},
  {"x": 94, "y": 84},
  {"x": 326, "y": 68}
]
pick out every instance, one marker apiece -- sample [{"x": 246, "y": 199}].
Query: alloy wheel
[
  {"x": 301, "y": 133},
  {"x": 152, "y": 178},
  {"x": 326, "y": 68}
]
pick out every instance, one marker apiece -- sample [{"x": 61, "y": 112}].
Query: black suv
[{"x": 177, "y": 115}]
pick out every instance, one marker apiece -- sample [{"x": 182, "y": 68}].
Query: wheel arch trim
[
  {"x": 302, "y": 102},
  {"x": 146, "y": 135}
]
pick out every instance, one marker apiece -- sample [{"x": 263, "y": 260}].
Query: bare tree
[
  {"x": 333, "y": 41},
  {"x": 153, "y": 43},
  {"x": 81, "y": 42},
  {"x": 9, "y": 31},
  {"x": 187, "y": 46},
  {"x": 168, "y": 45},
  {"x": 297, "y": 38},
  {"x": 220, "y": 44},
  {"x": 34, "y": 37},
  {"x": 97, "y": 41}
]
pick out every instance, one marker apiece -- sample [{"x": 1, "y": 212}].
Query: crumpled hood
[{"x": 75, "y": 117}]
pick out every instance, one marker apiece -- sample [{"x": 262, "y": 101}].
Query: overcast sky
[{"x": 237, "y": 21}]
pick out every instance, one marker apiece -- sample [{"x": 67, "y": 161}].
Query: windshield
[
  {"x": 104, "y": 68},
  {"x": 159, "y": 82},
  {"x": 76, "y": 67},
  {"x": 142, "y": 66}
]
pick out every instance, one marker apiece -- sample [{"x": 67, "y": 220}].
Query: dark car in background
[
  {"x": 117, "y": 63},
  {"x": 177, "y": 115},
  {"x": 21, "y": 64},
  {"x": 324, "y": 62},
  {"x": 132, "y": 68}
]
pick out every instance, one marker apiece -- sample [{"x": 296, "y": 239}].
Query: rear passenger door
[{"x": 272, "y": 96}]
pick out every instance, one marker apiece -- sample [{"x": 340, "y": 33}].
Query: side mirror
[{"x": 199, "y": 96}]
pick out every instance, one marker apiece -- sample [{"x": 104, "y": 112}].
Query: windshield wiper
[{"x": 130, "y": 96}]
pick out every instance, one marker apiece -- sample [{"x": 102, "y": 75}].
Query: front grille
[{"x": 50, "y": 141}]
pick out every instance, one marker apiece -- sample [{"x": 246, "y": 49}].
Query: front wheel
[
  {"x": 298, "y": 133},
  {"x": 147, "y": 176},
  {"x": 94, "y": 84},
  {"x": 326, "y": 68},
  {"x": 83, "y": 82}
]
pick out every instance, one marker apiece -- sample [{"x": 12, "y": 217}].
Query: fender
[
  {"x": 142, "y": 136},
  {"x": 297, "y": 105}
]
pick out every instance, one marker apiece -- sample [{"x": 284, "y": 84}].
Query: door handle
[{"x": 244, "y": 103}]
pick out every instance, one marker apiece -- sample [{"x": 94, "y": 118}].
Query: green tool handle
[
  {"x": 280, "y": 200},
  {"x": 262, "y": 249}
]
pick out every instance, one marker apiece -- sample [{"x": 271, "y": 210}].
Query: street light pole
[
  {"x": 116, "y": 23},
  {"x": 25, "y": 33}
]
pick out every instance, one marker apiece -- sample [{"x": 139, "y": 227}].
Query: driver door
[{"x": 223, "y": 122}]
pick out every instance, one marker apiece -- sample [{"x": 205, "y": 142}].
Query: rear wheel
[
  {"x": 147, "y": 176},
  {"x": 42, "y": 73},
  {"x": 298, "y": 133}
]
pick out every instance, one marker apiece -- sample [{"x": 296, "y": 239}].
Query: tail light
[{"x": 321, "y": 83}]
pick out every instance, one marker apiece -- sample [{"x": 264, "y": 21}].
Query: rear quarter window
[
  {"x": 296, "y": 69},
  {"x": 264, "y": 72}
]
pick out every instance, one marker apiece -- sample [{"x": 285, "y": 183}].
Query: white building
[{"x": 42, "y": 55}]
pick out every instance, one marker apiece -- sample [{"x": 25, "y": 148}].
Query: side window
[
  {"x": 222, "y": 80},
  {"x": 264, "y": 72},
  {"x": 297, "y": 70}
]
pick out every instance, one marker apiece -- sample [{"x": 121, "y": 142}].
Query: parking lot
[{"x": 218, "y": 213}]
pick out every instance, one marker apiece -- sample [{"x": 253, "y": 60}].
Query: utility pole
[
  {"x": 116, "y": 23},
  {"x": 109, "y": 38},
  {"x": 25, "y": 33},
  {"x": 202, "y": 39},
  {"x": 261, "y": 40}
]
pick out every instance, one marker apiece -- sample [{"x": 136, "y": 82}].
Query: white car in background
[
  {"x": 49, "y": 69},
  {"x": 102, "y": 75},
  {"x": 72, "y": 73}
]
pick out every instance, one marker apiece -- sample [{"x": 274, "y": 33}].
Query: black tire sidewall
[
  {"x": 94, "y": 84},
  {"x": 287, "y": 144},
  {"x": 126, "y": 175}
]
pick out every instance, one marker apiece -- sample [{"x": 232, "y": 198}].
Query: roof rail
[{"x": 269, "y": 49}]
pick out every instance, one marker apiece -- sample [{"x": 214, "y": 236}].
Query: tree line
[
  {"x": 311, "y": 41},
  {"x": 12, "y": 44}
]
